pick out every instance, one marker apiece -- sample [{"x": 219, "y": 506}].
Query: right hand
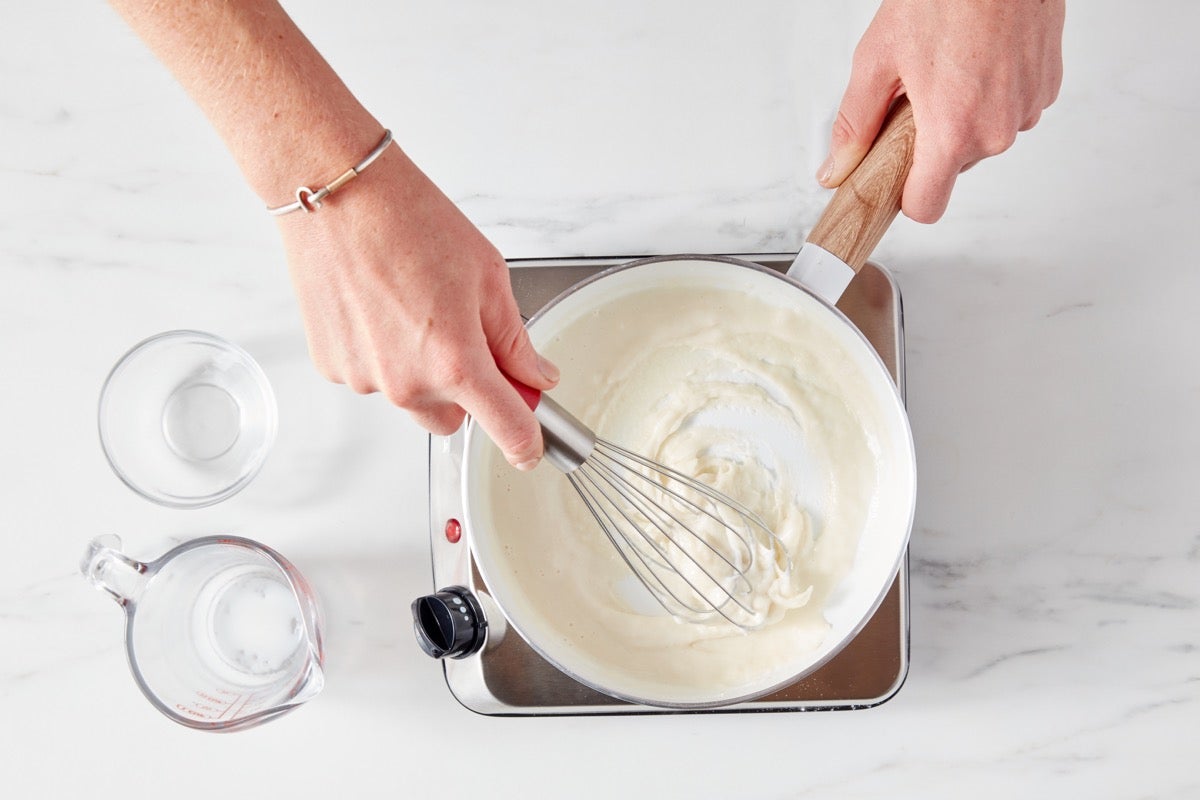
[
  {"x": 401, "y": 294},
  {"x": 976, "y": 74}
]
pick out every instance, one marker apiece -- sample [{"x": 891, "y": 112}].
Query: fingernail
[
  {"x": 825, "y": 173},
  {"x": 526, "y": 466},
  {"x": 548, "y": 370}
]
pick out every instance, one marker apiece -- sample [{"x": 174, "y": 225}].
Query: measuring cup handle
[{"x": 108, "y": 569}]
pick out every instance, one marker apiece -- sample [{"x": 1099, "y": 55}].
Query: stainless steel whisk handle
[{"x": 567, "y": 442}]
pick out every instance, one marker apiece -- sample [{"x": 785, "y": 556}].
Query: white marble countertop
[{"x": 1052, "y": 373}]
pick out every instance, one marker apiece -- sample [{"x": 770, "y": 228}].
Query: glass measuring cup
[{"x": 222, "y": 633}]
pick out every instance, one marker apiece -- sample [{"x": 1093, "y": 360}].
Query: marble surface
[{"x": 1052, "y": 376}]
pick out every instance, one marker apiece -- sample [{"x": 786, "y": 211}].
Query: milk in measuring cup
[{"x": 247, "y": 625}]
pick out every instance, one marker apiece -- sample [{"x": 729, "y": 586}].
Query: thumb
[
  {"x": 860, "y": 116},
  {"x": 510, "y": 345}
]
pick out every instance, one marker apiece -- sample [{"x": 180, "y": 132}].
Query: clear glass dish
[{"x": 187, "y": 418}]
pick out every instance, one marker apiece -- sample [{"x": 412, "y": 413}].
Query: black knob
[{"x": 449, "y": 623}]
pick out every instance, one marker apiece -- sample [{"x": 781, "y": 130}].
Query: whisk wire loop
[
  {"x": 643, "y": 571},
  {"x": 677, "y": 535},
  {"x": 629, "y": 498},
  {"x": 691, "y": 483},
  {"x": 671, "y": 528},
  {"x": 664, "y": 562},
  {"x": 688, "y": 504}
]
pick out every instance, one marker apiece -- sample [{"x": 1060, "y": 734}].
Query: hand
[
  {"x": 401, "y": 294},
  {"x": 976, "y": 73}
]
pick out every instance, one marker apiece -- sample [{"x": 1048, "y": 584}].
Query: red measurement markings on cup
[
  {"x": 190, "y": 711},
  {"x": 209, "y": 707},
  {"x": 453, "y": 531}
]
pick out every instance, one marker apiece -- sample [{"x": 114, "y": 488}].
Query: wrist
[
  {"x": 296, "y": 151},
  {"x": 387, "y": 193},
  {"x": 307, "y": 199}
]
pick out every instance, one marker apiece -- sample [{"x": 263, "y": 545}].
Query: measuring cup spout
[
  {"x": 313, "y": 682},
  {"x": 107, "y": 568}
]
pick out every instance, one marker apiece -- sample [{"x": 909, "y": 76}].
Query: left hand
[{"x": 976, "y": 74}]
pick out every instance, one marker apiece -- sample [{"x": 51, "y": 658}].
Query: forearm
[
  {"x": 400, "y": 293},
  {"x": 282, "y": 111}
]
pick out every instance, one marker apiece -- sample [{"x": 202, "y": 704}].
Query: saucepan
[{"x": 550, "y": 594}]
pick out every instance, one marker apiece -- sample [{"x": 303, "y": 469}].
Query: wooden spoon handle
[{"x": 867, "y": 201}]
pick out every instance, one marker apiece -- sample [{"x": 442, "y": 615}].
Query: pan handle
[{"x": 865, "y": 204}]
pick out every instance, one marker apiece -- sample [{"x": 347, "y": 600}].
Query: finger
[
  {"x": 510, "y": 345},
  {"x": 860, "y": 116},
  {"x": 359, "y": 384},
  {"x": 441, "y": 420},
  {"x": 495, "y": 405},
  {"x": 930, "y": 182},
  {"x": 1031, "y": 121}
]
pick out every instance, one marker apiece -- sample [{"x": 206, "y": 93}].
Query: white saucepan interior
[{"x": 687, "y": 349}]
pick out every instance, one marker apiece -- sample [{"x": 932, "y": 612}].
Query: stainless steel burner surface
[{"x": 508, "y": 678}]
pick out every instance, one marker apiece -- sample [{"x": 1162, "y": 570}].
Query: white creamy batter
[{"x": 756, "y": 398}]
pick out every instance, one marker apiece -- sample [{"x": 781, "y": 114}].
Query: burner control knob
[{"x": 449, "y": 623}]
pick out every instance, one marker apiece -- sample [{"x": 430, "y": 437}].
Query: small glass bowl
[{"x": 186, "y": 419}]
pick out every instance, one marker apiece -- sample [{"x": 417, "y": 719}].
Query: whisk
[{"x": 695, "y": 549}]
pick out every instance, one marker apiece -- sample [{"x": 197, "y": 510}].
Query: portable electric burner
[{"x": 492, "y": 670}]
